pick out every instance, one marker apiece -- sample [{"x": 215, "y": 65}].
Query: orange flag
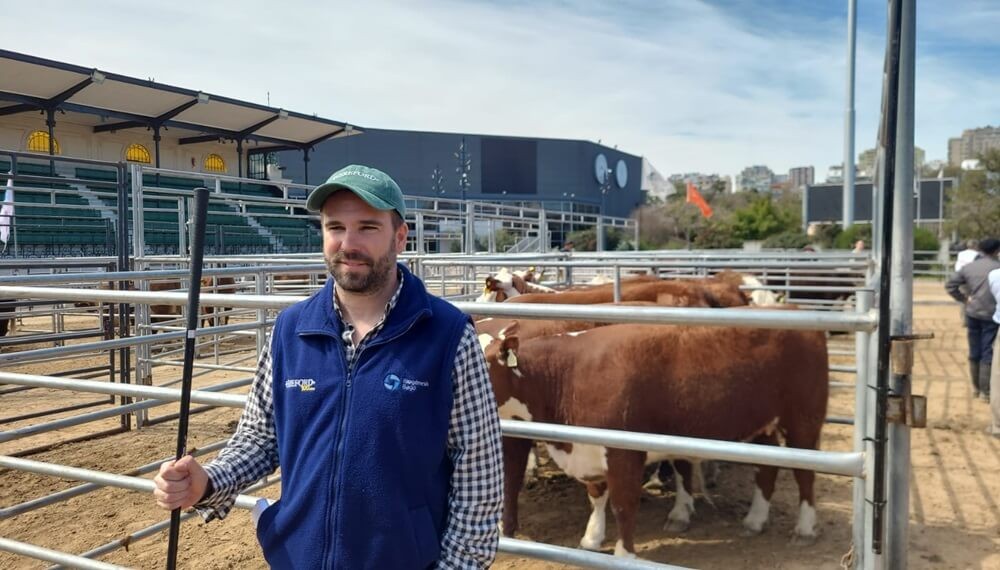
[{"x": 694, "y": 197}]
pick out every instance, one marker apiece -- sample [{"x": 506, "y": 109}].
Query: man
[
  {"x": 374, "y": 399},
  {"x": 970, "y": 287},
  {"x": 994, "y": 429},
  {"x": 967, "y": 255}
]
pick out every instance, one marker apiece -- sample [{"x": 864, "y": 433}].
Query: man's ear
[{"x": 400, "y": 236}]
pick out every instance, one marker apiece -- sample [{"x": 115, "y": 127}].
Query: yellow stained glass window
[
  {"x": 138, "y": 153},
  {"x": 215, "y": 163},
  {"x": 38, "y": 141}
]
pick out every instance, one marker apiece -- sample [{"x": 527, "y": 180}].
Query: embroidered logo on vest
[
  {"x": 391, "y": 382},
  {"x": 304, "y": 384}
]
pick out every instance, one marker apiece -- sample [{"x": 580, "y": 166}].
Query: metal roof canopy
[{"x": 35, "y": 84}]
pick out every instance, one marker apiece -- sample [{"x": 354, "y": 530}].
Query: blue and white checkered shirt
[{"x": 474, "y": 447}]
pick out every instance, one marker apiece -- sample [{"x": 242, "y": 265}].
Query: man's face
[{"x": 359, "y": 243}]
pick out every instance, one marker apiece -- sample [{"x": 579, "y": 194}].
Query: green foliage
[
  {"x": 586, "y": 240},
  {"x": 826, "y": 234},
  {"x": 847, "y": 238},
  {"x": 974, "y": 207},
  {"x": 718, "y": 235},
  {"x": 504, "y": 239},
  {"x": 925, "y": 240},
  {"x": 793, "y": 239},
  {"x": 762, "y": 218}
]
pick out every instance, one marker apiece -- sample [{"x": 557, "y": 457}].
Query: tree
[
  {"x": 760, "y": 220},
  {"x": 974, "y": 207}
]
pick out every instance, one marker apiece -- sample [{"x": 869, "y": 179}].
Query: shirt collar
[{"x": 388, "y": 306}]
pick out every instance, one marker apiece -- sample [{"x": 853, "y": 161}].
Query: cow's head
[
  {"x": 501, "y": 287},
  {"x": 501, "y": 359}
]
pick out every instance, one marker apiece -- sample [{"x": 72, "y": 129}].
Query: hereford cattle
[
  {"x": 7, "y": 309},
  {"x": 668, "y": 293},
  {"x": 506, "y": 284},
  {"x": 224, "y": 285},
  {"x": 719, "y": 383}
]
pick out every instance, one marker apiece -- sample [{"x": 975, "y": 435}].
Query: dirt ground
[{"x": 955, "y": 487}]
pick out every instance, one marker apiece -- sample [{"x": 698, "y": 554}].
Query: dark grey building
[
  {"x": 558, "y": 174},
  {"x": 824, "y": 202}
]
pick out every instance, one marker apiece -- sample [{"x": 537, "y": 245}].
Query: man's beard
[{"x": 366, "y": 283}]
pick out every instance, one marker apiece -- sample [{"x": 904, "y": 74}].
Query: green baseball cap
[{"x": 373, "y": 186}]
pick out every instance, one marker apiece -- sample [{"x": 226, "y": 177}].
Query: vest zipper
[
  {"x": 332, "y": 490},
  {"x": 334, "y": 512}
]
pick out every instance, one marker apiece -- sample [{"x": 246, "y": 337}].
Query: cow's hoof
[
  {"x": 676, "y": 526},
  {"x": 752, "y": 528},
  {"x": 620, "y": 551},
  {"x": 588, "y": 543},
  {"x": 803, "y": 539}
]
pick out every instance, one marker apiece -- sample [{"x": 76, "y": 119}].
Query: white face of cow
[
  {"x": 499, "y": 288},
  {"x": 760, "y": 297}
]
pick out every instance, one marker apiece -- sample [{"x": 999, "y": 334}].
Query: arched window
[
  {"x": 38, "y": 141},
  {"x": 138, "y": 153},
  {"x": 214, "y": 163}
]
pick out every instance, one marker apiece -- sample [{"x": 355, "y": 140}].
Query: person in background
[
  {"x": 967, "y": 255},
  {"x": 970, "y": 286},
  {"x": 994, "y": 428}
]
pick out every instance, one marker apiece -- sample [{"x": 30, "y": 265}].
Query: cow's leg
[
  {"x": 760, "y": 505},
  {"x": 625, "y": 489},
  {"x": 660, "y": 475},
  {"x": 593, "y": 538},
  {"x": 805, "y": 528},
  {"x": 515, "y": 458},
  {"x": 680, "y": 516},
  {"x": 807, "y": 438}
]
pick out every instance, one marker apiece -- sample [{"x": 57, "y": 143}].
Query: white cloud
[{"x": 683, "y": 83}]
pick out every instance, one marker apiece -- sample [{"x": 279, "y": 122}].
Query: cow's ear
[
  {"x": 508, "y": 348},
  {"x": 509, "y": 330}
]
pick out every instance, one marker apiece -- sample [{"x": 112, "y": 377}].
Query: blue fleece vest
[{"x": 365, "y": 472}]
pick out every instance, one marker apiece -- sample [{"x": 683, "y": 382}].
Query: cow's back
[{"x": 722, "y": 383}]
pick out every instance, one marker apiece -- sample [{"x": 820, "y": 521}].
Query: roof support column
[
  {"x": 305, "y": 162},
  {"x": 50, "y": 122}
]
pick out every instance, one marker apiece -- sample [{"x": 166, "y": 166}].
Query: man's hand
[{"x": 180, "y": 484}]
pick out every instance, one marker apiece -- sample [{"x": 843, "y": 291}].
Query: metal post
[
  {"x": 852, "y": 24},
  {"x": 862, "y": 342},
  {"x": 419, "y": 223},
  {"x": 543, "y": 231},
  {"x": 470, "y": 228},
  {"x": 901, "y": 293},
  {"x": 305, "y": 165},
  {"x": 889, "y": 133}
]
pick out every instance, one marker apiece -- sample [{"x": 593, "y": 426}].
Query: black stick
[{"x": 194, "y": 291}]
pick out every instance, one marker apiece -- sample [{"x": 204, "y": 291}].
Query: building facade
[
  {"x": 757, "y": 178},
  {"x": 801, "y": 176},
  {"x": 972, "y": 143},
  {"x": 571, "y": 175}
]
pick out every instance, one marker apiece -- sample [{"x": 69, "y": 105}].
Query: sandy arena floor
[{"x": 955, "y": 518}]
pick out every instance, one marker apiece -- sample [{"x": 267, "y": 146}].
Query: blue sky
[{"x": 708, "y": 86}]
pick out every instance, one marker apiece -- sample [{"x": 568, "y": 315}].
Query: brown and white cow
[
  {"x": 505, "y": 285},
  {"x": 668, "y": 293},
  {"x": 223, "y": 285},
  {"x": 720, "y": 383}
]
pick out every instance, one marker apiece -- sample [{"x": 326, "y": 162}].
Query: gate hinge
[{"x": 910, "y": 410}]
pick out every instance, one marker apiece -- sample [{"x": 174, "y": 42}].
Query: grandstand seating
[{"x": 72, "y": 222}]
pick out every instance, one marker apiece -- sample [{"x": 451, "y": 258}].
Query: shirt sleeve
[
  {"x": 475, "y": 500},
  {"x": 251, "y": 453},
  {"x": 954, "y": 286}
]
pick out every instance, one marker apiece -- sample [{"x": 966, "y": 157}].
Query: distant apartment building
[
  {"x": 972, "y": 143},
  {"x": 801, "y": 176},
  {"x": 757, "y": 178},
  {"x": 703, "y": 182},
  {"x": 867, "y": 162}
]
